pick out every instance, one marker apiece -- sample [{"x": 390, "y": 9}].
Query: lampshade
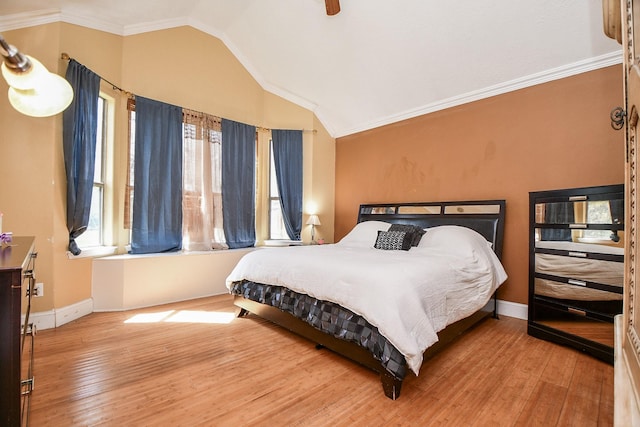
[
  {"x": 33, "y": 90},
  {"x": 313, "y": 220}
]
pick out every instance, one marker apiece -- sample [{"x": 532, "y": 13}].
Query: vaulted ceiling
[{"x": 375, "y": 62}]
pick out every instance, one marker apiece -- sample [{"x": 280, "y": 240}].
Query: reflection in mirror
[
  {"x": 382, "y": 210},
  {"x": 555, "y": 213},
  {"x": 581, "y": 212},
  {"x": 574, "y": 240},
  {"x": 579, "y": 215},
  {"x": 577, "y": 324},
  {"x": 377, "y": 210},
  {"x": 419, "y": 210},
  {"x": 472, "y": 209}
]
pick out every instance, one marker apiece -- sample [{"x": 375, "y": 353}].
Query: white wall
[{"x": 123, "y": 282}]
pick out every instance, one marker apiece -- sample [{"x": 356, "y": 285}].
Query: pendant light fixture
[{"x": 33, "y": 90}]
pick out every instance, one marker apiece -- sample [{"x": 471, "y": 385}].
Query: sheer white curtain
[{"x": 202, "y": 178}]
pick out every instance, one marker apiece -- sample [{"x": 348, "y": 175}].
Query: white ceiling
[{"x": 377, "y": 61}]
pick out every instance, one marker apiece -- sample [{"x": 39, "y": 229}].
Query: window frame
[
  {"x": 106, "y": 129},
  {"x": 271, "y": 199}
]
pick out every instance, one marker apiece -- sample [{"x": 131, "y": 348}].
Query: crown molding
[
  {"x": 163, "y": 24},
  {"x": 579, "y": 67},
  {"x": 47, "y": 16},
  {"x": 29, "y": 19},
  {"x": 92, "y": 22}
]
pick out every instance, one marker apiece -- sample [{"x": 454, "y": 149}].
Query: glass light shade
[{"x": 37, "y": 92}]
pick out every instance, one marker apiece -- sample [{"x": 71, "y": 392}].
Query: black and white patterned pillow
[
  {"x": 413, "y": 231},
  {"x": 393, "y": 240}
]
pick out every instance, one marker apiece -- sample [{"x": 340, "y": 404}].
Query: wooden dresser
[{"x": 17, "y": 279}]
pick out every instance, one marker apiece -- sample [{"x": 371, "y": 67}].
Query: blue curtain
[
  {"x": 238, "y": 184},
  {"x": 557, "y": 213},
  {"x": 79, "y": 127},
  {"x": 157, "y": 194},
  {"x": 287, "y": 156}
]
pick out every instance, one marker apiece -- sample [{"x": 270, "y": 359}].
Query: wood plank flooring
[{"x": 114, "y": 369}]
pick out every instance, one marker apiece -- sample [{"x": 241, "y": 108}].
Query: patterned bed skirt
[{"x": 329, "y": 318}]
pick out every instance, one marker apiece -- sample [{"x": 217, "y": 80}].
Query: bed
[{"x": 382, "y": 296}]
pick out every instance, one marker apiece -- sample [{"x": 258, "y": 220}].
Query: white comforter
[{"x": 408, "y": 295}]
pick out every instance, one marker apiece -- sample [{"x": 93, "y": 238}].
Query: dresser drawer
[
  {"x": 581, "y": 268},
  {"x": 571, "y": 289},
  {"x": 546, "y": 307}
]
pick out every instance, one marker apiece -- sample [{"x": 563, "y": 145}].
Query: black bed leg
[
  {"x": 241, "y": 312},
  {"x": 495, "y": 306},
  {"x": 391, "y": 385}
]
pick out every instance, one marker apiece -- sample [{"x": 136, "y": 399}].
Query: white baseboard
[
  {"x": 513, "y": 309},
  {"x": 58, "y": 317},
  {"x": 73, "y": 311},
  {"x": 42, "y": 319}
]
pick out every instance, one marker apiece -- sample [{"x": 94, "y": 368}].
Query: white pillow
[
  {"x": 364, "y": 234},
  {"x": 454, "y": 238}
]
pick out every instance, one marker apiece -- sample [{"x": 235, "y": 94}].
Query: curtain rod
[
  {"x": 269, "y": 129},
  {"x": 65, "y": 56}
]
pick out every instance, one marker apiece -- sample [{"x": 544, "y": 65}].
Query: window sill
[
  {"x": 95, "y": 252},
  {"x": 282, "y": 242}
]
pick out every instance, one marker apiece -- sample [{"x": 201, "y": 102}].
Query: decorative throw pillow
[
  {"x": 413, "y": 231},
  {"x": 393, "y": 240}
]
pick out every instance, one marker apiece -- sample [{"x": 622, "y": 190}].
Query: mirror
[
  {"x": 589, "y": 221},
  {"x": 419, "y": 210},
  {"x": 472, "y": 209}
]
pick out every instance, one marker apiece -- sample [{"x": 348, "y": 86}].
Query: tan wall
[
  {"x": 182, "y": 66},
  {"x": 189, "y": 68},
  {"x": 323, "y": 177},
  {"x": 551, "y": 136},
  {"x": 30, "y": 154}
]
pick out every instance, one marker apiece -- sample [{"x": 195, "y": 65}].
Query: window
[
  {"x": 598, "y": 212},
  {"x": 202, "y": 180},
  {"x": 94, "y": 234},
  {"x": 128, "y": 198},
  {"x": 202, "y": 227},
  {"x": 277, "y": 229}
]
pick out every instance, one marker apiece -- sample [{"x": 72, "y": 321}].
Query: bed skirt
[{"x": 329, "y": 318}]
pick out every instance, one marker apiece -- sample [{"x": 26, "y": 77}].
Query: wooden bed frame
[{"x": 485, "y": 217}]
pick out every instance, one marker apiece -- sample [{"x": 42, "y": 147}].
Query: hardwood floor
[{"x": 115, "y": 369}]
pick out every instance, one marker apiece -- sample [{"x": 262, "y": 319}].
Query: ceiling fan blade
[{"x": 333, "y": 7}]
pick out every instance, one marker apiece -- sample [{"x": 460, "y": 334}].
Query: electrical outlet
[{"x": 38, "y": 290}]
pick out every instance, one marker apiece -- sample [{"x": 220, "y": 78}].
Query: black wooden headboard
[{"x": 484, "y": 216}]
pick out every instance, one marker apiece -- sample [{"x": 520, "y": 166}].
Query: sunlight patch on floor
[
  {"x": 183, "y": 316},
  {"x": 160, "y": 316},
  {"x": 188, "y": 316}
]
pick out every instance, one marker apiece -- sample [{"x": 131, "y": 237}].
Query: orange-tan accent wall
[{"x": 550, "y": 136}]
